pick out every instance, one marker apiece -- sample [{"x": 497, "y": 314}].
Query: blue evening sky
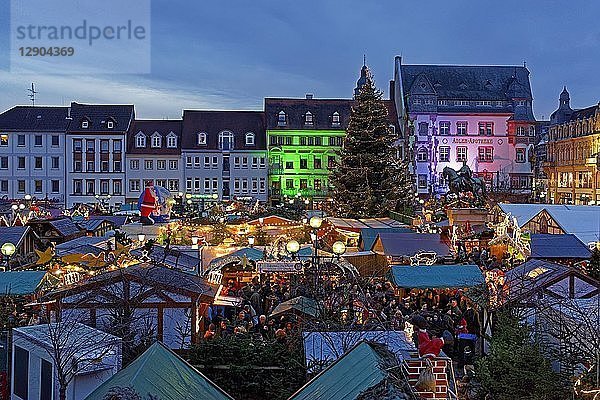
[{"x": 232, "y": 54}]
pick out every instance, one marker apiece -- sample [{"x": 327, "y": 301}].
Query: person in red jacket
[{"x": 429, "y": 347}]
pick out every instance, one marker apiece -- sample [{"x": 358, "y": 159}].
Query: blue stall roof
[
  {"x": 436, "y": 276},
  {"x": 368, "y": 235},
  {"x": 558, "y": 246},
  {"x": 19, "y": 283}
]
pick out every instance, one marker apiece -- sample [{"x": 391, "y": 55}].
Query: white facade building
[
  {"x": 32, "y": 153},
  {"x": 478, "y": 115}
]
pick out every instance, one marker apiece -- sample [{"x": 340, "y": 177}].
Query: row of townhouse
[{"x": 442, "y": 115}]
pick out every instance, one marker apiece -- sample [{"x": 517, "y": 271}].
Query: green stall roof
[
  {"x": 20, "y": 283},
  {"x": 356, "y": 371},
  {"x": 163, "y": 374},
  {"x": 436, "y": 276}
]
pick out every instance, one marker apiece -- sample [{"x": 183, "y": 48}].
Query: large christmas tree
[{"x": 370, "y": 180}]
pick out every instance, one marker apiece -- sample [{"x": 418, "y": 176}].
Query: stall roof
[
  {"x": 358, "y": 224},
  {"x": 408, "y": 244},
  {"x": 20, "y": 283},
  {"x": 363, "y": 367},
  {"x": 436, "y": 276},
  {"x": 163, "y": 374},
  {"x": 531, "y": 276},
  {"x": 368, "y": 235},
  {"x": 581, "y": 221},
  {"x": 299, "y": 304},
  {"x": 558, "y": 246},
  {"x": 522, "y": 212},
  {"x": 13, "y": 234}
]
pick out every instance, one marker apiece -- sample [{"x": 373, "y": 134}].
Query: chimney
[
  {"x": 392, "y": 92},
  {"x": 309, "y": 96},
  {"x": 69, "y": 113}
]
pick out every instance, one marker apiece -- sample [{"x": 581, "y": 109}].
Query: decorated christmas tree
[{"x": 370, "y": 180}]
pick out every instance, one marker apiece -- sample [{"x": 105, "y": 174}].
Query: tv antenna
[{"x": 32, "y": 94}]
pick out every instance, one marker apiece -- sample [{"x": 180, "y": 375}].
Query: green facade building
[{"x": 304, "y": 137}]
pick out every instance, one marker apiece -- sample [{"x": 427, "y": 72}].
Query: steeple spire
[{"x": 364, "y": 72}]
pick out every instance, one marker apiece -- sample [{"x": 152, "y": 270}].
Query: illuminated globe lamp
[
  {"x": 14, "y": 207},
  {"x": 251, "y": 240},
  {"x": 21, "y": 206},
  {"x": 27, "y": 197},
  {"x": 8, "y": 249},
  {"x": 316, "y": 222},
  {"x": 215, "y": 196},
  {"x": 338, "y": 248},
  {"x": 292, "y": 247}
]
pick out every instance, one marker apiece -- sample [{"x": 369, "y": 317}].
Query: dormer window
[
  {"x": 140, "y": 140},
  {"x": 335, "y": 119},
  {"x": 226, "y": 140},
  {"x": 85, "y": 124},
  {"x": 110, "y": 124},
  {"x": 202, "y": 138},
  {"x": 249, "y": 139},
  {"x": 156, "y": 140},
  {"x": 172, "y": 140},
  {"x": 308, "y": 118},
  {"x": 281, "y": 119}
]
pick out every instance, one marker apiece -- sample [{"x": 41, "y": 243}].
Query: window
[
  {"x": 226, "y": 140},
  {"x": 104, "y": 166},
  {"x": 21, "y": 372},
  {"x": 520, "y": 155},
  {"x": 442, "y": 102},
  {"x": 486, "y": 154},
  {"x": 77, "y": 166},
  {"x": 302, "y": 141},
  {"x": 461, "y": 102},
  {"x": 336, "y": 141},
  {"x": 311, "y": 141},
  {"x": 202, "y": 138},
  {"x": 134, "y": 164},
  {"x": 317, "y": 163},
  {"x": 89, "y": 166},
  {"x": 263, "y": 185},
  {"x": 461, "y": 153},
  {"x": 244, "y": 185},
  {"x": 173, "y": 164},
  {"x": 148, "y": 164},
  {"x": 37, "y": 186},
  {"x": 90, "y": 186},
  {"x": 117, "y": 146},
  {"x": 215, "y": 162},
  {"x": 104, "y": 186},
  {"x": 134, "y": 185},
  {"x": 55, "y": 162},
  {"x": 90, "y": 146},
  {"x": 140, "y": 140},
  {"x": 281, "y": 119},
  {"x": 4, "y": 186},
  {"x": 20, "y": 186},
  {"x": 317, "y": 184},
  {"x": 486, "y": 128},
  {"x": 215, "y": 184},
  {"x": 254, "y": 185},
  {"x": 104, "y": 145},
  {"x": 444, "y": 153},
  {"x": 21, "y": 140},
  {"x": 303, "y": 183},
  {"x": 38, "y": 161},
  {"x": 422, "y": 181},
  {"x": 331, "y": 163},
  {"x": 521, "y": 131},
  {"x": 289, "y": 183},
  {"x": 254, "y": 162},
  {"x": 172, "y": 140},
  {"x": 416, "y": 101},
  {"x": 3, "y": 162},
  {"x": 4, "y": 140},
  {"x": 461, "y": 128},
  {"x": 303, "y": 163},
  {"x": 77, "y": 144},
  {"x": 37, "y": 140},
  {"x": 21, "y": 163},
  {"x": 318, "y": 141},
  {"x": 85, "y": 124},
  {"x": 428, "y": 101},
  {"x": 335, "y": 119},
  {"x": 206, "y": 162},
  {"x": 522, "y": 103},
  {"x": 110, "y": 124},
  {"x": 532, "y": 131},
  {"x": 156, "y": 140},
  {"x": 117, "y": 187},
  {"x": 289, "y": 140},
  {"x": 188, "y": 184},
  {"x": 173, "y": 185},
  {"x": 423, "y": 128},
  {"x": 422, "y": 155},
  {"x": 77, "y": 186},
  {"x": 308, "y": 118},
  {"x": 263, "y": 162},
  {"x": 117, "y": 166},
  {"x": 444, "y": 127},
  {"x": 161, "y": 164},
  {"x": 289, "y": 165}
]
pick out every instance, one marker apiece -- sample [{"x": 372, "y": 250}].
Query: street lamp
[
  {"x": 27, "y": 197},
  {"x": 8, "y": 249},
  {"x": 251, "y": 241},
  {"x": 316, "y": 222},
  {"x": 14, "y": 207},
  {"x": 21, "y": 206},
  {"x": 215, "y": 196},
  {"x": 292, "y": 247},
  {"x": 339, "y": 248}
]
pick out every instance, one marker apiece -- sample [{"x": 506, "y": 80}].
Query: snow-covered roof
[
  {"x": 522, "y": 212},
  {"x": 581, "y": 221}
]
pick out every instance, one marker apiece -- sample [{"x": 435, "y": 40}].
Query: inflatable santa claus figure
[{"x": 147, "y": 204}]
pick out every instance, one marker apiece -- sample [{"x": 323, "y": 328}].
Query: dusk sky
[{"x": 230, "y": 55}]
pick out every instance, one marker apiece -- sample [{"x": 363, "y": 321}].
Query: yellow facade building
[{"x": 572, "y": 154}]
